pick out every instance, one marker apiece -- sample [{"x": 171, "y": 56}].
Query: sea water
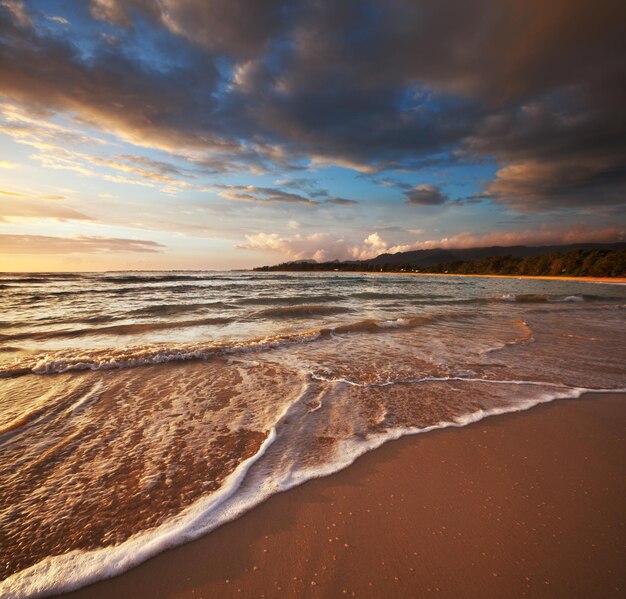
[{"x": 141, "y": 410}]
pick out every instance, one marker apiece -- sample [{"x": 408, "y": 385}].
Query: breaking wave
[{"x": 129, "y": 357}]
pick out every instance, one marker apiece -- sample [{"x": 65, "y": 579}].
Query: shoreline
[
  {"x": 614, "y": 280},
  {"x": 536, "y": 508},
  {"x": 610, "y": 280}
]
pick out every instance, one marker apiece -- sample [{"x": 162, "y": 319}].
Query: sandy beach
[
  {"x": 528, "y": 504},
  {"x": 609, "y": 280}
]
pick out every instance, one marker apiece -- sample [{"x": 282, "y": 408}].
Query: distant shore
[
  {"x": 617, "y": 280},
  {"x": 526, "y": 504},
  {"x": 544, "y": 262},
  {"x": 614, "y": 280}
]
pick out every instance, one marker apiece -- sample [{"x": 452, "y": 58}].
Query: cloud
[
  {"x": 17, "y": 194},
  {"x": 17, "y": 11},
  {"x": 558, "y": 151},
  {"x": 536, "y": 186},
  {"x": 309, "y": 186},
  {"x": 324, "y": 247},
  {"x": 273, "y": 195},
  {"x": 579, "y": 233},
  {"x": 317, "y": 246},
  {"x": 262, "y": 195},
  {"x": 54, "y": 144},
  {"x": 242, "y": 85},
  {"x": 425, "y": 195},
  {"x": 340, "y": 201},
  {"x": 148, "y": 172},
  {"x": 41, "y": 244},
  {"x": 238, "y": 27},
  {"x": 110, "y": 90},
  {"x": 22, "y": 207},
  {"x": 59, "y": 20}
]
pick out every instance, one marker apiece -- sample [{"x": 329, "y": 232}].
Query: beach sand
[
  {"x": 529, "y": 504},
  {"x": 609, "y": 280}
]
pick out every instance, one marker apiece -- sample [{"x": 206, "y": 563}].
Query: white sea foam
[
  {"x": 506, "y": 297},
  {"x": 393, "y": 324},
  {"x": 75, "y": 569},
  {"x": 131, "y": 357},
  {"x": 442, "y": 379},
  {"x": 86, "y": 397},
  {"x": 571, "y": 298}
]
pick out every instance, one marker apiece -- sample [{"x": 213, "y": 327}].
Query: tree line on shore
[{"x": 574, "y": 263}]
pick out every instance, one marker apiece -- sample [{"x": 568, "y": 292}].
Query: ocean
[{"x": 139, "y": 410}]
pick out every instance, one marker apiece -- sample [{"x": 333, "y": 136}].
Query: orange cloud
[
  {"x": 23, "y": 207},
  {"x": 579, "y": 233},
  {"x": 42, "y": 244},
  {"x": 324, "y": 247}
]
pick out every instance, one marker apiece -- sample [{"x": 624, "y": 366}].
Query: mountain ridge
[{"x": 431, "y": 257}]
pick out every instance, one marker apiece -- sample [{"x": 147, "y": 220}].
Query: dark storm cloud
[
  {"x": 110, "y": 89},
  {"x": 567, "y": 149},
  {"x": 362, "y": 84},
  {"x": 241, "y": 28}
]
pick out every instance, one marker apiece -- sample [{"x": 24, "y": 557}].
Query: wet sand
[{"x": 531, "y": 504}]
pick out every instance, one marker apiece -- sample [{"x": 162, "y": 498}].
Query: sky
[{"x": 220, "y": 134}]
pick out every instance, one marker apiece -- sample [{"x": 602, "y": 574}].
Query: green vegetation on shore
[{"x": 574, "y": 263}]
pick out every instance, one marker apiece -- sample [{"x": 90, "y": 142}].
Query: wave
[
  {"x": 121, "y": 329},
  {"x": 302, "y": 311},
  {"x": 142, "y": 355},
  {"x": 96, "y": 287},
  {"x": 292, "y": 300},
  {"x": 540, "y": 298},
  {"x": 382, "y": 295},
  {"x": 427, "y": 300},
  {"x": 512, "y": 298},
  {"x": 47, "y": 294},
  {"x": 173, "y": 309},
  {"x": 439, "y": 379},
  {"x": 155, "y": 310},
  {"x": 526, "y": 336},
  {"x": 155, "y": 278},
  {"x": 16, "y": 278},
  {"x": 25, "y": 280},
  {"x": 190, "y": 276},
  {"x": 377, "y": 326},
  {"x": 248, "y": 485}
]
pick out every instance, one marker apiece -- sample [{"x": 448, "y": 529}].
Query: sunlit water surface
[{"x": 139, "y": 410}]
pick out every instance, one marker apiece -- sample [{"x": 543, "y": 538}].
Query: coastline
[
  {"x": 534, "y": 508},
  {"x": 613, "y": 280},
  {"x": 610, "y": 280}
]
